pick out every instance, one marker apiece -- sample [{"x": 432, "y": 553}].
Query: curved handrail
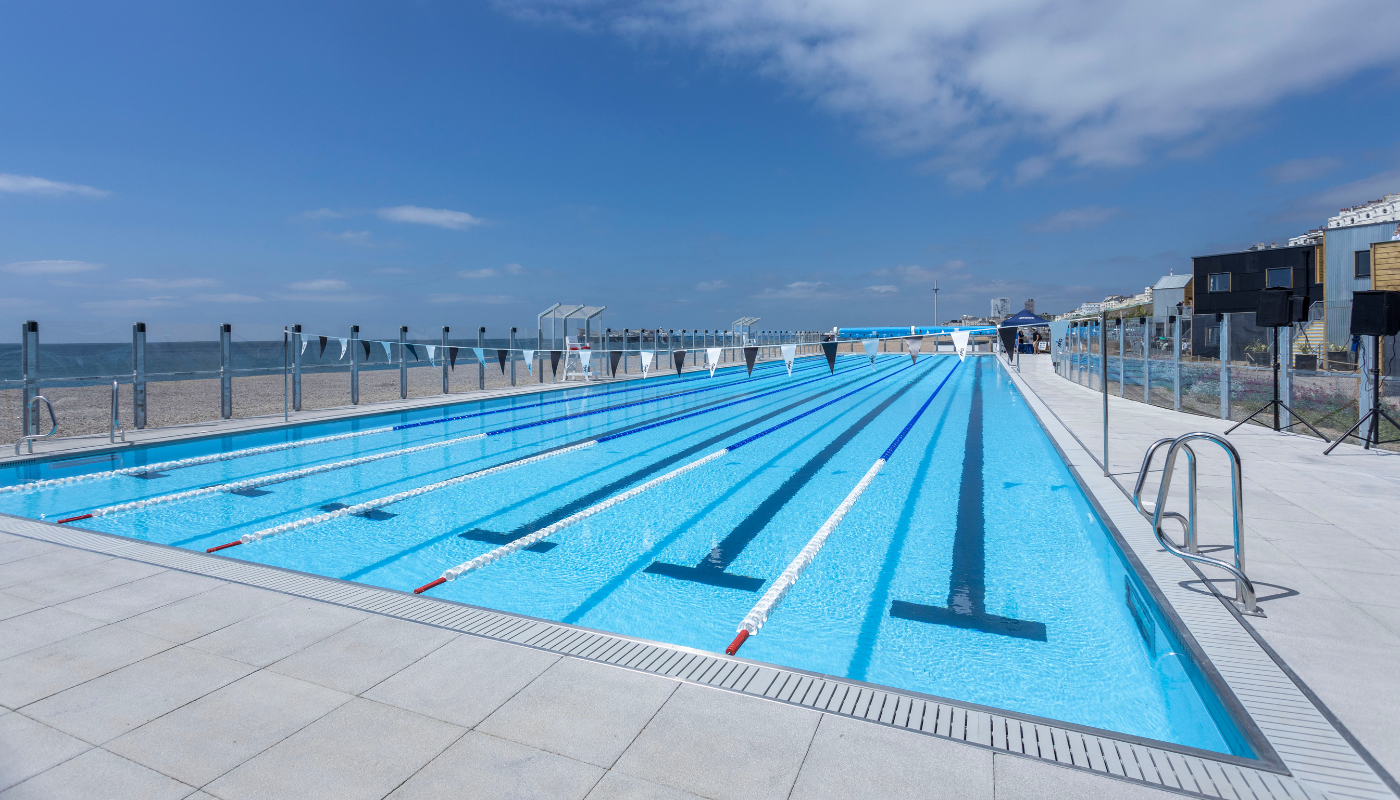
[
  {"x": 1244, "y": 588},
  {"x": 1188, "y": 522},
  {"x": 53, "y": 418}
]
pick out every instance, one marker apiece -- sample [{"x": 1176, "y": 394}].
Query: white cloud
[
  {"x": 487, "y": 299},
  {"x": 1094, "y": 82},
  {"x": 171, "y": 283},
  {"x": 486, "y": 272},
  {"x": 1318, "y": 207},
  {"x": 1301, "y": 169},
  {"x": 515, "y": 269},
  {"x": 916, "y": 274},
  {"x": 361, "y": 238},
  {"x": 321, "y": 213},
  {"x": 711, "y": 286},
  {"x": 28, "y": 184},
  {"x": 803, "y": 290},
  {"x": 886, "y": 289},
  {"x": 1074, "y": 219},
  {"x": 320, "y": 285},
  {"x": 49, "y": 267},
  {"x": 227, "y": 298},
  {"x": 441, "y": 217},
  {"x": 133, "y": 305}
]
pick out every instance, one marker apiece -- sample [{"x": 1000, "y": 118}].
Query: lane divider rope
[
  {"x": 529, "y": 539},
  {"x": 758, "y": 615}
]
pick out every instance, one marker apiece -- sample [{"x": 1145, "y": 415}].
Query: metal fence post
[
  {"x": 481, "y": 363},
  {"x": 1122, "y": 358},
  {"x": 512, "y": 356},
  {"x": 1103, "y": 381},
  {"x": 29, "y": 359},
  {"x": 225, "y": 371},
  {"x": 1224, "y": 366},
  {"x": 354, "y": 365},
  {"x": 1146, "y": 360},
  {"x": 1176, "y": 362},
  {"x": 446, "y": 385},
  {"x": 296, "y": 367},
  {"x": 1285, "y": 376},
  {"x": 138, "y": 375},
  {"x": 403, "y": 362}
]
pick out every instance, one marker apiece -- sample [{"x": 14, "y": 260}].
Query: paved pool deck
[{"x": 124, "y": 676}]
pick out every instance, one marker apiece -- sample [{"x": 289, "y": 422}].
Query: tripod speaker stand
[
  {"x": 1277, "y": 309},
  {"x": 1373, "y": 314}
]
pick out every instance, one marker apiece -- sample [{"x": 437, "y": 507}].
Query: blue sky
[{"x": 684, "y": 163}]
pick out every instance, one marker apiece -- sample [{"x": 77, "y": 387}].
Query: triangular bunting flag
[
  {"x": 452, "y": 358},
  {"x": 872, "y": 346},
  {"x": 679, "y": 358},
  {"x": 412, "y": 350},
  {"x": 432, "y": 354},
  {"x": 789, "y": 353},
  {"x": 343, "y": 343},
  {"x": 304, "y": 343},
  {"x": 501, "y": 356},
  {"x": 480, "y": 353},
  {"x": 750, "y": 356},
  {"x": 647, "y": 356},
  {"x": 615, "y": 357},
  {"x": 554, "y": 361},
  {"x": 529, "y": 356},
  {"x": 712, "y": 357},
  {"x": 585, "y": 357},
  {"x": 830, "y": 349},
  {"x": 916, "y": 343},
  {"x": 960, "y": 344},
  {"x": 322, "y": 354},
  {"x": 365, "y": 342},
  {"x": 388, "y": 353}
]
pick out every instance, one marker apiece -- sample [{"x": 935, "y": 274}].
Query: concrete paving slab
[
  {"x": 58, "y": 588},
  {"x": 463, "y": 681},
  {"x": 699, "y": 736},
  {"x": 11, "y": 606},
  {"x": 25, "y": 632},
  {"x": 13, "y": 548},
  {"x": 205, "y": 739},
  {"x": 1030, "y": 779},
  {"x": 278, "y": 632},
  {"x": 31, "y": 747},
  {"x": 618, "y": 786},
  {"x": 140, "y": 596},
  {"x": 52, "y": 668},
  {"x": 186, "y": 620},
  {"x": 364, "y": 654},
  {"x": 120, "y": 701},
  {"x": 44, "y": 565},
  {"x": 851, "y": 759},
  {"x": 586, "y": 711},
  {"x": 98, "y": 773},
  {"x": 482, "y": 767},
  {"x": 361, "y": 750}
]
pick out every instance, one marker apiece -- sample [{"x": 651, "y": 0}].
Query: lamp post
[{"x": 935, "y": 303}]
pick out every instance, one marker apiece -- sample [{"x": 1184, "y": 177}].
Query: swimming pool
[{"x": 972, "y": 568}]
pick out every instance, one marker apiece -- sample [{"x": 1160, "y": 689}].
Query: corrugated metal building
[{"x": 1348, "y": 252}]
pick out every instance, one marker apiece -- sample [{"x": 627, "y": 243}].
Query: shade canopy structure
[{"x": 1024, "y": 319}]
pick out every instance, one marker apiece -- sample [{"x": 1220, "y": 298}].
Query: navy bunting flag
[
  {"x": 615, "y": 356},
  {"x": 679, "y": 357},
  {"x": 501, "y": 358},
  {"x": 323, "y": 346},
  {"x": 452, "y": 357},
  {"x": 750, "y": 356},
  {"x": 830, "y": 349},
  {"x": 365, "y": 342},
  {"x": 413, "y": 351},
  {"x": 554, "y": 356}
]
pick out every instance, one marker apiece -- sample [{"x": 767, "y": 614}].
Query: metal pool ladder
[
  {"x": 29, "y": 440},
  {"x": 1244, "y": 588}
]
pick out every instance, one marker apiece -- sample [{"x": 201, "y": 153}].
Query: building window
[
  {"x": 1281, "y": 278},
  {"x": 1212, "y": 337},
  {"x": 1363, "y": 263},
  {"x": 1220, "y": 281}
]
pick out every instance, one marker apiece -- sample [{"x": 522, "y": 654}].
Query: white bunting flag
[
  {"x": 480, "y": 353},
  {"x": 872, "y": 347},
  {"x": 712, "y": 355},
  {"x": 789, "y": 353},
  {"x": 432, "y": 353},
  {"x": 344, "y": 345},
  {"x": 529, "y": 360},
  {"x": 647, "y": 356},
  {"x": 916, "y": 343},
  {"x": 585, "y": 357},
  {"x": 388, "y": 352},
  {"x": 304, "y": 343},
  {"x": 960, "y": 344}
]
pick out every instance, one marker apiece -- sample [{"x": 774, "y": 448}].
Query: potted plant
[
  {"x": 1255, "y": 352},
  {"x": 1305, "y": 359}
]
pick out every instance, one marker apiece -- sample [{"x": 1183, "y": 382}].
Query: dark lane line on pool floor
[
  {"x": 967, "y": 586},
  {"x": 713, "y": 568}
]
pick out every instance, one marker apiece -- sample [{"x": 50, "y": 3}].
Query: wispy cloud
[
  {"x": 467, "y": 299},
  {"x": 886, "y": 289},
  {"x": 711, "y": 286},
  {"x": 1302, "y": 169},
  {"x": 319, "y": 285},
  {"x": 321, "y": 213},
  {"x": 486, "y": 272},
  {"x": 1073, "y": 219},
  {"x": 227, "y": 298},
  {"x": 358, "y": 238},
  {"x": 1321, "y": 205},
  {"x": 135, "y": 304},
  {"x": 441, "y": 217},
  {"x": 49, "y": 267},
  {"x": 918, "y": 274},
  {"x": 802, "y": 290},
  {"x": 29, "y": 184},
  {"x": 515, "y": 269},
  {"x": 170, "y": 283}
]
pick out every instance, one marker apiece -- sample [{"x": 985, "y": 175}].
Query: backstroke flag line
[
  {"x": 344, "y": 345},
  {"x": 501, "y": 359},
  {"x": 916, "y": 343},
  {"x": 960, "y": 343},
  {"x": 789, "y": 353},
  {"x": 750, "y": 356},
  {"x": 872, "y": 346},
  {"x": 679, "y": 357},
  {"x": 647, "y": 356},
  {"x": 712, "y": 356},
  {"x": 615, "y": 357},
  {"x": 529, "y": 360},
  {"x": 388, "y": 353},
  {"x": 480, "y": 353},
  {"x": 830, "y": 349}
]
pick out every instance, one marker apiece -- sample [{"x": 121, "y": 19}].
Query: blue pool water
[{"x": 973, "y": 568}]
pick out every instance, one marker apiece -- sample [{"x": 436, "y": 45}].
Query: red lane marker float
[
  {"x": 222, "y": 546},
  {"x": 75, "y": 519},
  {"x": 737, "y": 643},
  {"x": 425, "y": 587}
]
